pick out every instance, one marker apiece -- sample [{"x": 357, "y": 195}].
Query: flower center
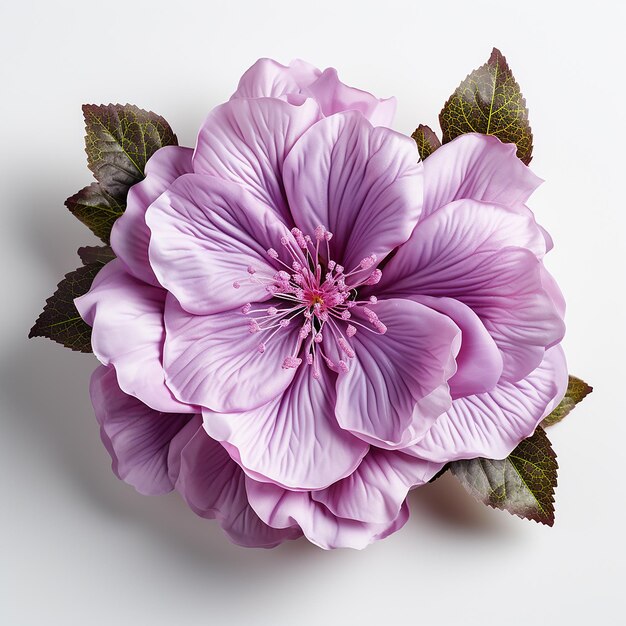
[{"x": 318, "y": 294}]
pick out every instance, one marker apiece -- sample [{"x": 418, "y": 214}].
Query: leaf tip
[
  {"x": 489, "y": 101},
  {"x": 426, "y": 140},
  {"x": 496, "y": 56},
  {"x": 577, "y": 390},
  {"x": 89, "y": 109},
  {"x": 60, "y": 321}
]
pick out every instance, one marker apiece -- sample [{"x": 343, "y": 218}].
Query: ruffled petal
[
  {"x": 246, "y": 140},
  {"x": 269, "y": 79},
  {"x": 282, "y": 508},
  {"x": 492, "y": 424},
  {"x": 553, "y": 290},
  {"x": 182, "y": 438},
  {"x": 334, "y": 97},
  {"x": 396, "y": 384},
  {"x": 137, "y": 437},
  {"x": 213, "y": 486},
  {"x": 477, "y": 167},
  {"x": 361, "y": 183},
  {"x": 207, "y": 235},
  {"x": 292, "y": 440},
  {"x": 377, "y": 489},
  {"x": 215, "y": 362},
  {"x": 130, "y": 235},
  {"x": 126, "y": 315},
  {"x": 522, "y": 317},
  {"x": 479, "y": 362},
  {"x": 484, "y": 256}
]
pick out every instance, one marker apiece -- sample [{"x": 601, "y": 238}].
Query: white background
[{"x": 80, "y": 547}]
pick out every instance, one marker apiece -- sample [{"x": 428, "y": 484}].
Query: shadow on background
[{"x": 47, "y": 390}]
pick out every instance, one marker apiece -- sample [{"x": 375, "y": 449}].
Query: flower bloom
[{"x": 302, "y": 323}]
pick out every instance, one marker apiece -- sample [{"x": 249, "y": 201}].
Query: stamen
[
  {"x": 343, "y": 344},
  {"x": 374, "y": 277},
  {"x": 321, "y": 296},
  {"x": 291, "y": 362},
  {"x": 371, "y": 316},
  {"x": 305, "y": 330},
  {"x": 368, "y": 261}
]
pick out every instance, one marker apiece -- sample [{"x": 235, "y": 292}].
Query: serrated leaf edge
[
  {"x": 551, "y": 515},
  {"x": 496, "y": 55}
]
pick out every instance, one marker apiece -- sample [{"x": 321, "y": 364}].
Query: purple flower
[{"x": 344, "y": 320}]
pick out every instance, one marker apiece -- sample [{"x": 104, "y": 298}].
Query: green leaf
[
  {"x": 96, "y": 254},
  {"x": 522, "y": 484},
  {"x": 95, "y": 208},
  {"x": 59, "y": 319},
  {"x": 577, "y": 390},
  {"x": 489, "y": 101},
  {"x": 426, "y": 140},
  {"x": 120, "y": 139}
]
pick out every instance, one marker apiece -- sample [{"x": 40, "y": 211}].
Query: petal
[
  {"x": 215, "y": 360},
  {"x": 127, "y": 320},
  {"x": 360, "y": 182},
  {"x": 177, "y": 445},
  {"x": 521, "y": 316},
  {"x": 546, "y": 236},
  {"x": 441, "y": 245},
  {"x": 137, "y": 437},
  {"x": 484, "y": 256},
  {"x": 377, "y": 489},
  {"x": 206, "y": 233},
  {"x": 213, "y": 486},
  {"x": 396, "y": 386},
  {"x": 282, "y": 508},
  {"x": 292, "y": 440},
  {"x": 269, "y": 79},
  {"x": 477, "y": 167},
  {"x": 246, "y": 141},
  {"x": 334, "y": 97},
  {"x": 479, "y": 362},
  {"x": 130, "y": 235},
  {"x": 553, "y": 290},
  {"x": 492, "y": 424}
]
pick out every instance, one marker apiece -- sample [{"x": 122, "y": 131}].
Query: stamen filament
[{"x": 321, "y": 295}]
